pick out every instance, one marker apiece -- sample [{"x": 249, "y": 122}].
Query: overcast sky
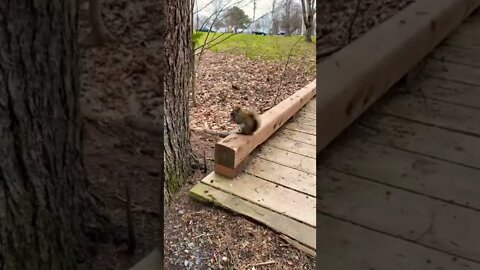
[{"x": 263, "y": 7}]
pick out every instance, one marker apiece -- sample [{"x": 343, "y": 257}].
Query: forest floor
[{"x": 196, "y": 236}]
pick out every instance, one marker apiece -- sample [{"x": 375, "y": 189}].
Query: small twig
[
  {"x": 217, "y": 259},
  {"x": 231, "y": 256},
  {"x": 200, "y": 235},
  {"x": 219, "y": 133},
  {"x": 262, "y": 263},
  {"x": 204, "y": 162}
]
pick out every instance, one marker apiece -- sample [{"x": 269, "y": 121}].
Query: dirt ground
[{"x": 197, "y": 236}]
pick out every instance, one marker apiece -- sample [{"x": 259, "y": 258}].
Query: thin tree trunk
[
  {"x": 178, "y": 71},
  {"x": 46, "y": 212},
  {"x": 307, "y": 14},
  {"x": 308, "y": 32},
  {"x": 99, "y": 34},
  {"x": 194, "y": 73},
  {"x": 274, "y": 30}
]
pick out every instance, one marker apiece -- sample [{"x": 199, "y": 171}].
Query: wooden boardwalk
[
  {"x": 400, "y": 188},
  {"x": 278, "y": 185}
]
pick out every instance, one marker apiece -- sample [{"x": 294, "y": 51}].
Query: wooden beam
[
  {"x": 152, "y": 261},
  {"x": 358, "y": 75},
  {"x": 231, "y": 151}
]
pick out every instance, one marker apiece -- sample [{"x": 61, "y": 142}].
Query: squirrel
[{"x": 248, "y": 120}]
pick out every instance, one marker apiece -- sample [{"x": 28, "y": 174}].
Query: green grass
[{"x": 253, "y": 46}]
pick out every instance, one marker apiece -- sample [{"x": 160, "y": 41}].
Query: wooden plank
[
  {"x": 406, "y": 170},
  {"x": 274, "y": 197},
  {"x": 433, "y": 112},
  {"x": 312, "y": 130},
  {"x": 310, "y": 107},
  {"x": 464, "y": 39},
  {"x": 453, "y": 72},
  {"x": 359, "y": 74},
  {"x": 422, "y": 139},
  {"x": 152, "y": 261},
  {"x": 231, "y": 151},
  {"x": 297, "y": 147},
  {"x": 280, "y": 223},
  {"x": 457, "y": 55},
  {"x": 312, "y": 104},
  {"x": 299, "y": 246},
  {"x": 451, "y": 92},
  {"x": 297, "y": 136},
  {"x": 432, "y": 223},
  {"x": 285, "y": 176},
  {"x": 345, "y": 246},
  {"x": 304, "y": 121},
  {"x": 470, "y": 26},
  {"x": 308, "y": 110},
  {"x": 288, "y": 159},
  {"x": 308, "y": 115}
]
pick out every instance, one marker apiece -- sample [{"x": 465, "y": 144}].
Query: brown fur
[{"x": 248, "y": 120}]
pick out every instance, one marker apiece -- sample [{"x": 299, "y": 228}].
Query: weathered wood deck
[
  {"x": 278, "y": 185},
  {"x": 400, "y": 188}
]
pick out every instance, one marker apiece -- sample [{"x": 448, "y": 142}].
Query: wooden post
[
  {"x": 231, "y": 151},
  {"x": 359, "y": 74}
]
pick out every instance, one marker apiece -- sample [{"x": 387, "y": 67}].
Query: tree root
[{"x": 220, "y": 133}]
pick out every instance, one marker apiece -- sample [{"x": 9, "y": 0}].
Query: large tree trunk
[
  {"x": 178, "y": 74},
  {"x": 46, "y": 211}
]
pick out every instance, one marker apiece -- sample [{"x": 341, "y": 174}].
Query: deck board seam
[
  {"x": 307, "y": 115},
  {"x": 422, "y": 154},
  {"x": 444, "y": 60},
  {"x": 265, "y": 157},
  {"x": 280, "y": 133},
  {"x": 453, "y": 46},
  {"x": 451, "y": 80},
  {"x": 453, "y": 130},
  {"x": 300, "y": 131},
  {"x": 276, "y": 183},
  {"x": 302, "y": 123},
  {"x": 447, "y": 43},
  {"x": 426, "y": 97},
  {"x": 381, "y": 183},
  {"x": 286, "y": 150},
  {"x": 399, "y": 237},
  {"x": 428, "y": 75}
]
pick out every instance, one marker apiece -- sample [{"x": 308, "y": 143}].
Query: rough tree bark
[
  {"x": 47, "y": 216},
  {"x": 178, "y": 70},
  {"x": 308, "y": 8}
]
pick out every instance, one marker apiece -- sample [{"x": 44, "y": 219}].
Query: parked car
[
  {"x": 205, "y": 29},
  {"x": 281, "y": 33},
  {"x": 260, "y": 33}
]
